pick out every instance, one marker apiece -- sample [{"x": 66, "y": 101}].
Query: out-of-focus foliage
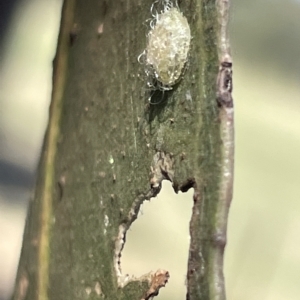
[{"x": 267, "y": 32}]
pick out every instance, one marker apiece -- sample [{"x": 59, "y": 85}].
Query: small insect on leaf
[{"x": 168, "y": 46}]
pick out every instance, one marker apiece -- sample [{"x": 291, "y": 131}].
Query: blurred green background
[{"x": 263, "y": 254}]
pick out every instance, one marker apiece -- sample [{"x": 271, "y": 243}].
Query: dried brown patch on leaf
[{"x": 157, "y": 280}]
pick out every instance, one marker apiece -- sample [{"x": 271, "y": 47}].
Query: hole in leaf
[{"x": 159, "y": 239}]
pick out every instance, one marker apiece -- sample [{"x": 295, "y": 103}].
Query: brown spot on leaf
[{"x": 158, "y": 280}]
